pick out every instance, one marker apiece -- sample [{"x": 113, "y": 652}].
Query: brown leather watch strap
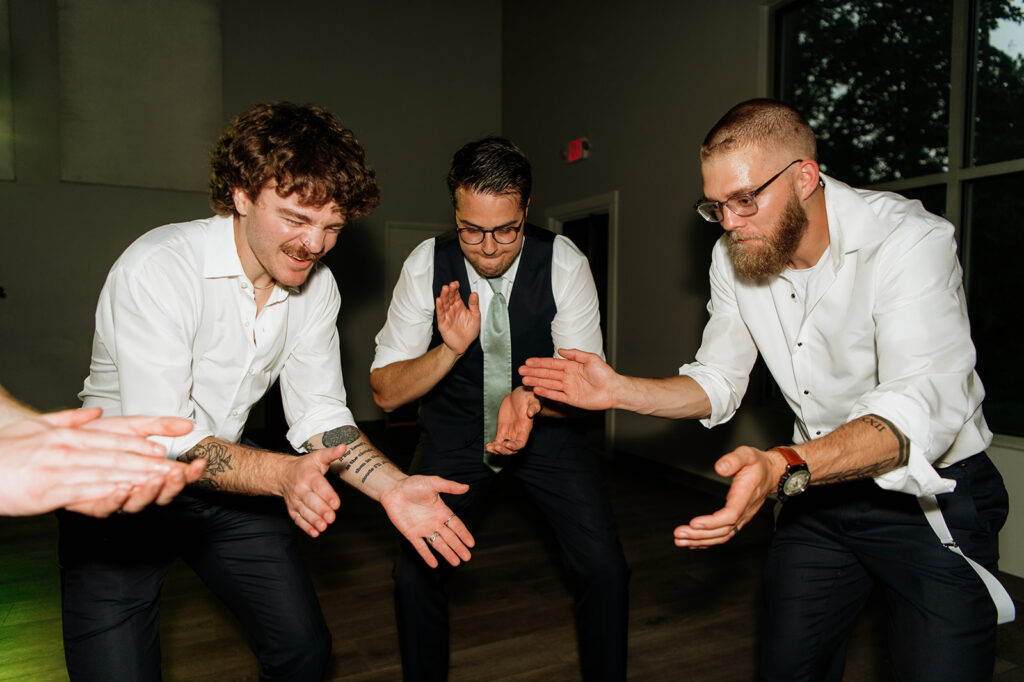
[{"x": 791, "y": 455}]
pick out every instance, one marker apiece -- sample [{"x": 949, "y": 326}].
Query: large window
[{"x": 926, "y": 98}]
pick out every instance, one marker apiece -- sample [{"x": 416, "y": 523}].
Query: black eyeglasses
[
  {"x": 742, "y": 205},
  {"x": 503, "y": 235}
]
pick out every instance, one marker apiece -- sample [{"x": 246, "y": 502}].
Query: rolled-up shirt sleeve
[
  {"x": 926, "y": 379},
  {"x": 727, "y": 352},
  {"x": 410, "y": 323},
  {"x": 577, "y": 321},
  {"x": 312, "y": 387}
]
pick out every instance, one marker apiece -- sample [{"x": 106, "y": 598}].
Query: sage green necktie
[{"x": 496, "y": 341}]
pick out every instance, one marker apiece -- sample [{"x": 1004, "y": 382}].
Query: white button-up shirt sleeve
[
  {"x": 927, "y": 385},
  {"x": 410, "y": 323},
  {"x": 727, "y": 351},
  {"x": 146, "y": 320},
  {"x": 312, "y": 387},
  {"x": 577, "y": 321}
]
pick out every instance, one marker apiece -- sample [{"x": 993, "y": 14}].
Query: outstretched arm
[
  {"x": 402, "y": 382},
  {"x": 865, "y": 447},
  {"x": 413, "y": 503},
  {"x": 585, "y": 380},
  {"x": 88, "y": 464}
]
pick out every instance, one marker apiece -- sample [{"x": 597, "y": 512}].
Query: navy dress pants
[
  {"x": 835, "y": 543},
  {"x": 243, "y": 548},
  {"x": 567, "y": 486}
]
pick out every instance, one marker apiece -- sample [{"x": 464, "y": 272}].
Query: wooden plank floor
[{"x": 694, "y": 614}]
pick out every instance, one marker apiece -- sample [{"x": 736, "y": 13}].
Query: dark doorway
[{"x": 590, "y": 234}]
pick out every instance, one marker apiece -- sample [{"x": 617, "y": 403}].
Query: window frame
[{"x": 957, "y": 174}]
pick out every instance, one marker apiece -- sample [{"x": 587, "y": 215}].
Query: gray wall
[
  {"x": 643, "y": 82},
  {"x": 413, "y": 80}
]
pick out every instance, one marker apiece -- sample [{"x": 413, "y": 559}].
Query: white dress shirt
[
  {"x": 177, "y": 334},
  {"x": 878, "y": 326},
  {"x": 409, "y": 328}
]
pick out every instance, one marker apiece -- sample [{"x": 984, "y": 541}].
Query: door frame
[{"x": 555, "y": 217}]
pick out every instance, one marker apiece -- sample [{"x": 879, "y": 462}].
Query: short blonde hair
[{"x": 766, "y": 124}]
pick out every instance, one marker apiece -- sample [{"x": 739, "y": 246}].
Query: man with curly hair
[{"x": 197, "y": 320}]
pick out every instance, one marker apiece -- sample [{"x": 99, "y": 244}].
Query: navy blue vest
[{"x": 452, "y": 413}]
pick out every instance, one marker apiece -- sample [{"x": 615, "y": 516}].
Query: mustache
[{"x": 302, "y": 253}]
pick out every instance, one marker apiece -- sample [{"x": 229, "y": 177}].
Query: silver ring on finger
[
  {"x": 449, "y": 519},
  {"x": 433, "y": 536}
]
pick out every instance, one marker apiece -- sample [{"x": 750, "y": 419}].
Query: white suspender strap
[{"x": 1005, "y": 611}]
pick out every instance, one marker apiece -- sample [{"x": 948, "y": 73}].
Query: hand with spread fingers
[
  {"x": 515, "y": 421},
  {"x": 581, "y": 379},
  {"x": 415, "y": 508},
  {"x": 752, "y": 477},
  {"x": 458, "y": 324}
]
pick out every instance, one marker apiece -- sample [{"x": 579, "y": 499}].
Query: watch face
[{"x": 796, "y": 483}]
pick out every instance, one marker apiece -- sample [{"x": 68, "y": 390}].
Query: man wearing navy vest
[{"x": 442, "y": 344}]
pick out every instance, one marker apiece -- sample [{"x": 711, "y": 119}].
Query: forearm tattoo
[
  {"x": 341, "y": 435},
  {"x": 881, "y": 425},
  {"x": 218, "y": 460},
  {"x": 360, "y": 455}
]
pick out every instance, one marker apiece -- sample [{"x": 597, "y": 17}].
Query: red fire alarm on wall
[{"x": 577, "y": 150}]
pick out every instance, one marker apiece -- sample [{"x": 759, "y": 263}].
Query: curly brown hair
[{"x": 301, "y": 149}]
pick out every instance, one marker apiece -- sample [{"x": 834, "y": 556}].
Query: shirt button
[
  {"x": 807, "y": 392},
  {"x": 234, "y": 413},
  {"x": 799, "y": 344},
  {"x": 817, "y": 433},
  {"x": 793, "y": 296}
]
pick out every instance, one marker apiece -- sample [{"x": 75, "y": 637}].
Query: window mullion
[{"x": 958, "y": 88}]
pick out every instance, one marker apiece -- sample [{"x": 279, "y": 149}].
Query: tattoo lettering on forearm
[
  {"x": 881, "y": 425},
  {"x": 351, "y": 457},
  {"x": 376, "y": 466},
  {"x": 218, "y": 460},
  {"x": 343, "y": 435},
  {"x": 366, "y": 461}
]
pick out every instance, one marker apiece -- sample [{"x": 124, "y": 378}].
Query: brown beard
[{"x": 770, "y": 254}]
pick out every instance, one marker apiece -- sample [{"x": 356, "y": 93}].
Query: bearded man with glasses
[
  {"x": 854, "y": 299},
  {"x": 471, "y": 305}
]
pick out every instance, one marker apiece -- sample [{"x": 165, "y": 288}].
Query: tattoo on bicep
[
  {"x": 218, "y": 460},
  {"x": 308, "y": 446},
  {"x": 341, "y": 435},
  {"x": 881, "y": 425}
]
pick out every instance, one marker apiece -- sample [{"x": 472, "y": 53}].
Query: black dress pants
[
  {"x": 568, "y": 488},
  {"x": 834, "y": 543},
  {"x": 243, "y": 548}
]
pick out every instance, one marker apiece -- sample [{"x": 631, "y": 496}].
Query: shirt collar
[
  {"x": 221, "y": 257},
  {"x": 852, "y": 224}
]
